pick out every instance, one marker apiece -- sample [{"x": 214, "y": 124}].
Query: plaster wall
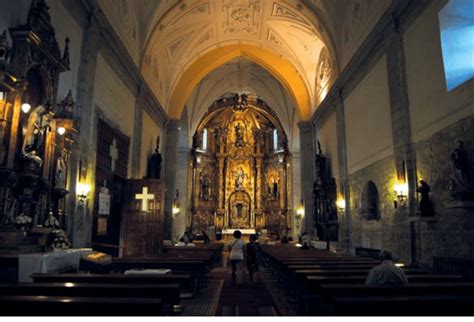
[
  {"x": 432, "y": 107},
  {"x": 150, "y": 131},
  {"x": 327, "y": 136},
  {"x": 367, "y": 119},
  {"x": 114, "y": 101}
]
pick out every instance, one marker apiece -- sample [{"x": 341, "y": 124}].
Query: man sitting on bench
[{"x": 387, "y": 273}]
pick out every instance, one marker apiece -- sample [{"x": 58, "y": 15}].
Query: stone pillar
[
  {"x": 171, "y": 156},
  {"x": 307, "y": 174},
  {"x": 403, "y": 148},
  {"x": 137, "y": 134},
  {"x": 80, "y": 225},
  {"x": 343, "y": 184}
]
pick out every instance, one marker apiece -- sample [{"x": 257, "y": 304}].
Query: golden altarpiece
[
  {"x": 36, "y": 132},
  {"x": 240, "y": 168}
]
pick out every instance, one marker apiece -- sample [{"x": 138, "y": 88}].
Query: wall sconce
[
  {"x": 300, "y": 210},
  {"x": 401, "y": 190},
  {"x": 175, "y": 210},
  {"x": 61, "y": 130},
  {"x": 198, "y": 158},
  {"x": 82, "y": 191},
  {"x": 341, "y": 204},
  {"x": 25, "y": 106}
]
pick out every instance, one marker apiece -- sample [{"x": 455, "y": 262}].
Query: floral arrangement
[{"x": 23, "y": 221}]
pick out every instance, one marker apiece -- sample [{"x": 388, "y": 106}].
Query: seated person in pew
[{"x": 386, "y": 273}]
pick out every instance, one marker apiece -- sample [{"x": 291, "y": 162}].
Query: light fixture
[
  {"x": 175, "y": 210},
  {"x": 26, "y": 106},
  {"x": 300, "y": 210},
  {"x": 401, "y": 191},
  {"x": 82, "y": 191},
  {"x": 341, "y": 204},
  {"x": 61, "y": 130},
  {"x": 198, "y": 158},
  {"x": 2, "y": 96}
]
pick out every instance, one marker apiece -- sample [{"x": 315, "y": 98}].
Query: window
[
  {"x": 275, "y": 140},
  {"x": 370, "y": 202},
  {"x": 456, "y": 22},
  {"x": 204, "y": 139}
]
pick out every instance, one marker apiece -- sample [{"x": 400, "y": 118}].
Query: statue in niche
[
  {"x": 204, "y": 194},
  {"x": 34, "y": 136},
  {"x": 460, "y": 185},
  {"x": 154, "y": 169},
  {"x": 426, "y": 206},
  {"x": 239, "y": 136},
  {"x": 61, "y": 170},
  {"x": 239, "y": 179}
]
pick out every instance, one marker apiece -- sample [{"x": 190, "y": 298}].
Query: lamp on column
[
  {"x": 300, "y": 210},
  {"x": 401, "y": 191},
  {"x": 176, "y": 210},
  {"x": 25, "y": 105}
]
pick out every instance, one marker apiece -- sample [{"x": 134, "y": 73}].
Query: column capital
[
  {"x": 173, "y": 124},
  {"x": 305, "y": 125}
]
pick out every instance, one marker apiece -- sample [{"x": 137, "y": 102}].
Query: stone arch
[
  {"x": 370, "y": 202},
  {"x": 281, "y": 68}
]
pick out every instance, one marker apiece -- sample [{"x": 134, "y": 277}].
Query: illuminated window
[
  {"x": 204, "y": 139},
  {"x": 275, "y": 140},
  {"x": 456, "y": 22}
]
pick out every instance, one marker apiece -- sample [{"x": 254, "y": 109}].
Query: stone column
[
  {"x": 307, "y": 174},
  {"x": 137, "y": 134},
  {"x": 403, "y": 148},
  {"x": 343, "y": 184},
  {"x": 171, "y": 158},
  {"x": 80, "y": 225}
]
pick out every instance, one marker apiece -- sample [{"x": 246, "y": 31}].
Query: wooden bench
[
  {"x": 184, "y": 280},
  {"x": 168, "y": 293},
  {"x": 27, "y": 305}
]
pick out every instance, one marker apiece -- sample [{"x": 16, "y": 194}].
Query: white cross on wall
[
  {"x": 113, "y": 153},
  {"x": 144, "y": 197}
]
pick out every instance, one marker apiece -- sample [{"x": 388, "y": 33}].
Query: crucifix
[
  {"x": 144, "y": 197},
  {"x": 114, "y": 153}
]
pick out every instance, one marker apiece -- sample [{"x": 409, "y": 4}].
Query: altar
[
  {"x": 228, "y": 234},
  {"x": 50, "y": 262}
]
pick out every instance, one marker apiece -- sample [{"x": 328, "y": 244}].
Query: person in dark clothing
[{"x": 252, "y": 250}]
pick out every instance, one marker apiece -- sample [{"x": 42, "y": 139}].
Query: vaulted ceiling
[{"x": 301, "y": 43}]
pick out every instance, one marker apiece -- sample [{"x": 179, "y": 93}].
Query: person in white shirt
[
  {"x": 236, "y": 257},
  {"x": 387, "y": 273}
]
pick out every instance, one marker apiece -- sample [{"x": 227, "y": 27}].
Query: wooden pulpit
[{"x": 143, "y": 217}]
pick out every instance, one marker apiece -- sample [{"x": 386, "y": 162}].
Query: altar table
[
  {"x": 228, "y": 234},
  {"x": 50, "y": 262}
]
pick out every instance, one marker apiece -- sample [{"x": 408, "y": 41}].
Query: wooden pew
[
  {"x": 79, "y": 306},
  {"x": 184, "y": 280},
  {"x": 168, "y": 293}
]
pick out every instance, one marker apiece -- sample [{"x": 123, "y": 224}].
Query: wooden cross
[
  {"x": 114, "y": 153},
  {"x": 144, "y": 197}
]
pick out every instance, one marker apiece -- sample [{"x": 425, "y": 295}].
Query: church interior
[{"x": 146, "y": 144}]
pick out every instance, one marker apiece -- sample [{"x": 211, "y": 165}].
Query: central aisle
[{"x": 246, "y": 300}]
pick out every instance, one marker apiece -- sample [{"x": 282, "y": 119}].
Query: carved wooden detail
[{"x": 230, "y": 177}]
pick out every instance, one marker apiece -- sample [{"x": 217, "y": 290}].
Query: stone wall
[
  {"x": 451, "y": 234},
  {"x": 392, "y": 230}
]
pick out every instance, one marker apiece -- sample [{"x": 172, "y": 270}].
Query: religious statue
[
  {"x": 205, "y": 187},
  {"x": 239, "y": 179},
  {"x": 154, "y": 169},
  {"x": 239, "y": 136},
  {"x": 460, "y": 186},
  {"x": 426, "y": 206},
  {"x": 60, "y": 176},
  {"x": 33, "y": 139}
]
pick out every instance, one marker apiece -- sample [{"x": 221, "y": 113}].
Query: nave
[{"x": 195, "y": 281}]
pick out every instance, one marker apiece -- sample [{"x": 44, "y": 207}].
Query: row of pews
[
  {"x": 325, "y": 283},
  {"x": 103, "y": 289}
]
